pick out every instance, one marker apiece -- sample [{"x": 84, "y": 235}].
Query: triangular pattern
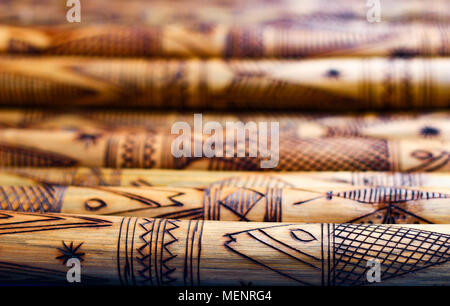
[
  {"x": 144, "y": 252},
  {"x": 391, "y": 214},
  {"x": 241, "y": 201},
  {"x": 167, "y": 256},
  {"x": 289, "y": 243},
  {"x": 155, "y": 266}
]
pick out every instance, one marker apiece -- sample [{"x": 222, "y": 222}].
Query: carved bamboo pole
[
  {"x": 45, "y": 148},
  {"x": 429, "y": 125},
  {"x": 159, "y": 252},
  {"x": 176, "y": 40},
  {"x": 318, "y": 84},
  {"x": 26, "y": 176},
  {"x": 336, "y": 204}
]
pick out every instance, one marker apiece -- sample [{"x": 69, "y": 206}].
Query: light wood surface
[
  {"x": 311, "y": 84},
  {"x": 219, "y": 40},
  {"x": 25, "y": 176},
  {"x": 135, "y": 251},
  {"x": 392, "y": 125},
  {"x": 334, "y": 204},
  {"x": 50, "y": 148}
]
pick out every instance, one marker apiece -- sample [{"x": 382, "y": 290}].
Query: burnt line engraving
[
  {"x": 125, "y": 245},
  {"x": 241, "y": 202},
  {"x": 281, "y": 248},
  {"x": 69, "y": 251},
  {"x": 430, "y": 161},
  {"x": 45, "y": 198},
  {"x": 401, "y": 251},
  {"x": 154, "y": 252},
  {"x": 34, "y": 222},
  {"x": 392, "y": 197},
  {"x": 192, "y": 253}
]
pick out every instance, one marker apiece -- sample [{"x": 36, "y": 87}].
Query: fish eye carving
[
  {"x": 94, "y": 204},
  {"x": 422, "y": 154},
  {"x": 302, "y": 235}
]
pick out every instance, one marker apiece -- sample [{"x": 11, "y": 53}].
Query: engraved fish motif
[{"x": 388, "y": 195}]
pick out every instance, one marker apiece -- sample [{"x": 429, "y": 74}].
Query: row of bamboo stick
[
  {"x": 373, "y": 197},
  {"x": 145, "y": 251},
  {"x": 133, "y": 226},
  {"x": 137, "y": 249}
]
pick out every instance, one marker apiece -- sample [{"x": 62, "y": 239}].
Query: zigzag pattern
[
  {"x": 155, "y": 263},
  {"x": 144, "y": 257},
  {"x": 138, "y": 151},
  {"x": 166, "y": 270}
]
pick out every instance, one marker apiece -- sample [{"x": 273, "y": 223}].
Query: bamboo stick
[
  {"x": 319, "y": 84},
  {"x": 205, "y": 13},
  {"x": 135, "y": 251},
  {"x": 43, "y": 148},
  {"x": 335, "y": 204},
  {"x": 396, "y": 125},
  {"x": 227, "y": 41},
  {"x": 28, "y": 176}
]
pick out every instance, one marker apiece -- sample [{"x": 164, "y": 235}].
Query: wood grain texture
[
  {"x": 161, "y": 252},
  {"x": 317, "y": 84},
  {"x": 239, "y": 41},
  {"x": 26, "y": 176},
  {"x": 392, "y": 125},
  {"x": 50, "y": 148},
  {"x": 334, "y": 204}
]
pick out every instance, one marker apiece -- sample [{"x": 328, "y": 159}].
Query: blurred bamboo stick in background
[
  {"x": 334, "y": 204},
  {"x": 395, "y": 125},
  {"x": 25, "y": 176},
  {"x": 281, "y": 12},
  {"x": 319, "y": 84},
  {"x": 135, "y": 251},
  {"x": 39, "y": 148},
  {"x": 390, "y": 40}
]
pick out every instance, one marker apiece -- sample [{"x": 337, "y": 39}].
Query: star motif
[{"x": 69, "y": 251}]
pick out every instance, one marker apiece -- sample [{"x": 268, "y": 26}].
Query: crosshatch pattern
[{"x": 401, "y": 250}]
